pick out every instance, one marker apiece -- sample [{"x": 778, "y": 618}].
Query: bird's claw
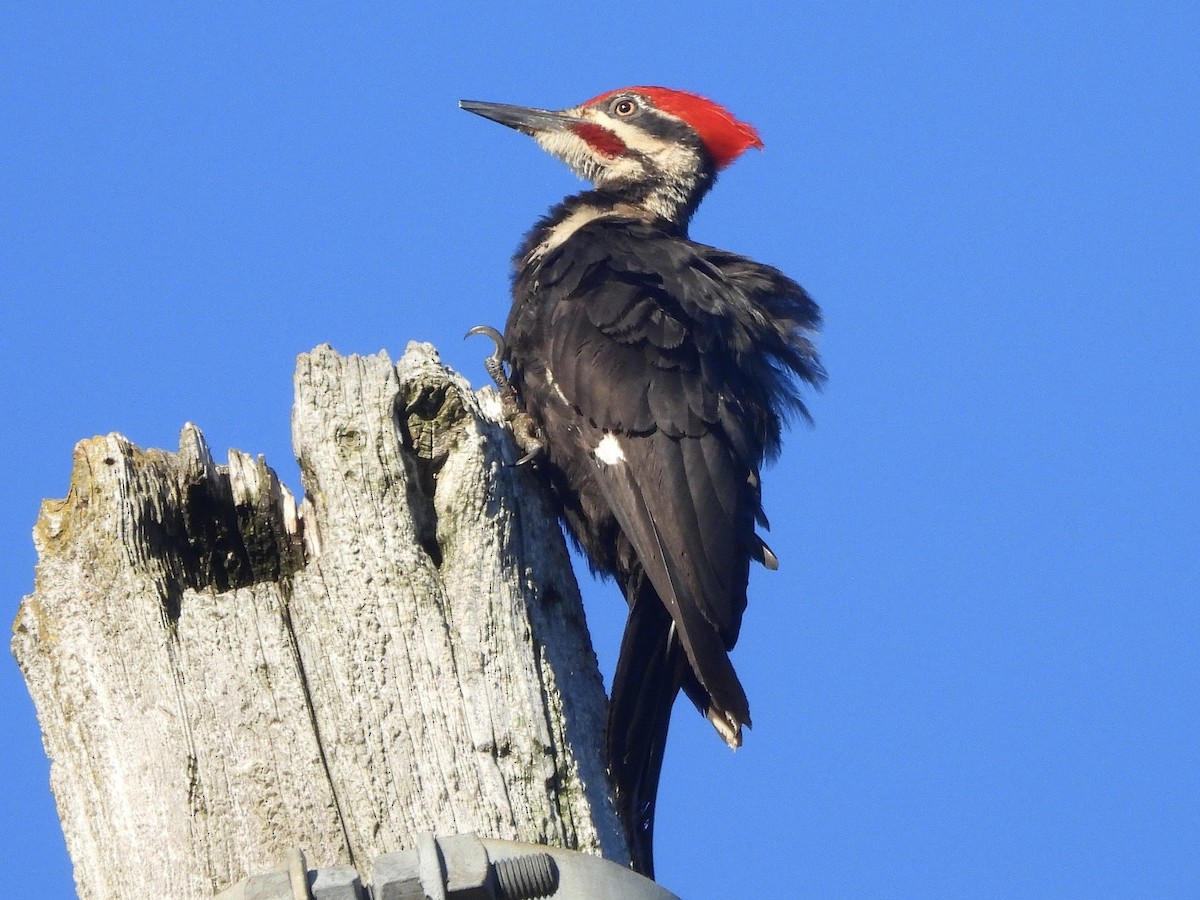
[
  {"x": 494, "y": 363},
  {"x": 526, "y": 435},
  {"x": 523, "y": 428}
]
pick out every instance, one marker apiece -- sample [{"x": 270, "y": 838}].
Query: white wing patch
[{"x": 609, "y": 451}]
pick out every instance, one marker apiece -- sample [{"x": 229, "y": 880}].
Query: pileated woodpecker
[{"x": 656, "y": 373}]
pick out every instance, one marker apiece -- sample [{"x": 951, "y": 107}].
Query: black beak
[{"x": 523, "y": 118}]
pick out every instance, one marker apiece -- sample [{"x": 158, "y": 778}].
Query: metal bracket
[{"x": 455, "y": 867}]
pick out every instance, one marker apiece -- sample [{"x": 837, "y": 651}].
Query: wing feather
[
  {"x": 684, "y": 354},
  {"x": 665, "y": 567}
]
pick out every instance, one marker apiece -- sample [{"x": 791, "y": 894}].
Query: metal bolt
[{"x": 526, "y": 877}]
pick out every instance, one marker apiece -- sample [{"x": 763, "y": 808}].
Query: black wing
[
  {"x": 659, "y": 371},
  {"x": 676, "y": 356}
]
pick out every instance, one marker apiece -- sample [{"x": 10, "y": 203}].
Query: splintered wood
[{"x": 221, "y": 675}]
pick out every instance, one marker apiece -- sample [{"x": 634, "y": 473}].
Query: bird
[{"x": 652, "y": 376}]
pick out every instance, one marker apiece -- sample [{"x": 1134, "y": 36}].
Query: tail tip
[{"x": 728, "y": 726}]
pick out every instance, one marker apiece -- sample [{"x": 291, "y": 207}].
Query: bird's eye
[{"x": 625, "y": 107}]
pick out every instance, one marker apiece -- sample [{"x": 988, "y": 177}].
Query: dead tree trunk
[{"x": 221, "y": 675}]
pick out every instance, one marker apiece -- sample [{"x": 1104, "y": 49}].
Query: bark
[{"x": 221, "y": 675}]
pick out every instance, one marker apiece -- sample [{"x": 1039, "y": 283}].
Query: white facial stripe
[
  {"x": 632, "y": 137},
  {"x": 609, "y": 451},
  {"x": 669, "y": 155}
]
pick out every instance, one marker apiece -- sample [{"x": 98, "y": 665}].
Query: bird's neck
[
  {"x": 569, "y": 216},
  {"x": 578, "y": 210},
  {"x": 673, "y": 200}
]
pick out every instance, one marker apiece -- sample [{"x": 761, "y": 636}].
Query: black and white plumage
[{"x": 657, "y": 372}]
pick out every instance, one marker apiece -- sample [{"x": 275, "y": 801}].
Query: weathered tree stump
[{"x": 221, "y": 675}]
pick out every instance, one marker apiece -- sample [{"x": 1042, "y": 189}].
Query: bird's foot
[{"x": 525, "y": 432}]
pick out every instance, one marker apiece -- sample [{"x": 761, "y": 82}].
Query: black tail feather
[{"x": 651, "y": 669}]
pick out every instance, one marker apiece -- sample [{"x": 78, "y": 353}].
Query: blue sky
[{"x": 975, "y": 673}]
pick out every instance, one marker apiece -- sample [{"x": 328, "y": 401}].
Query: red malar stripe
[{"x": 600, "y": 139}]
